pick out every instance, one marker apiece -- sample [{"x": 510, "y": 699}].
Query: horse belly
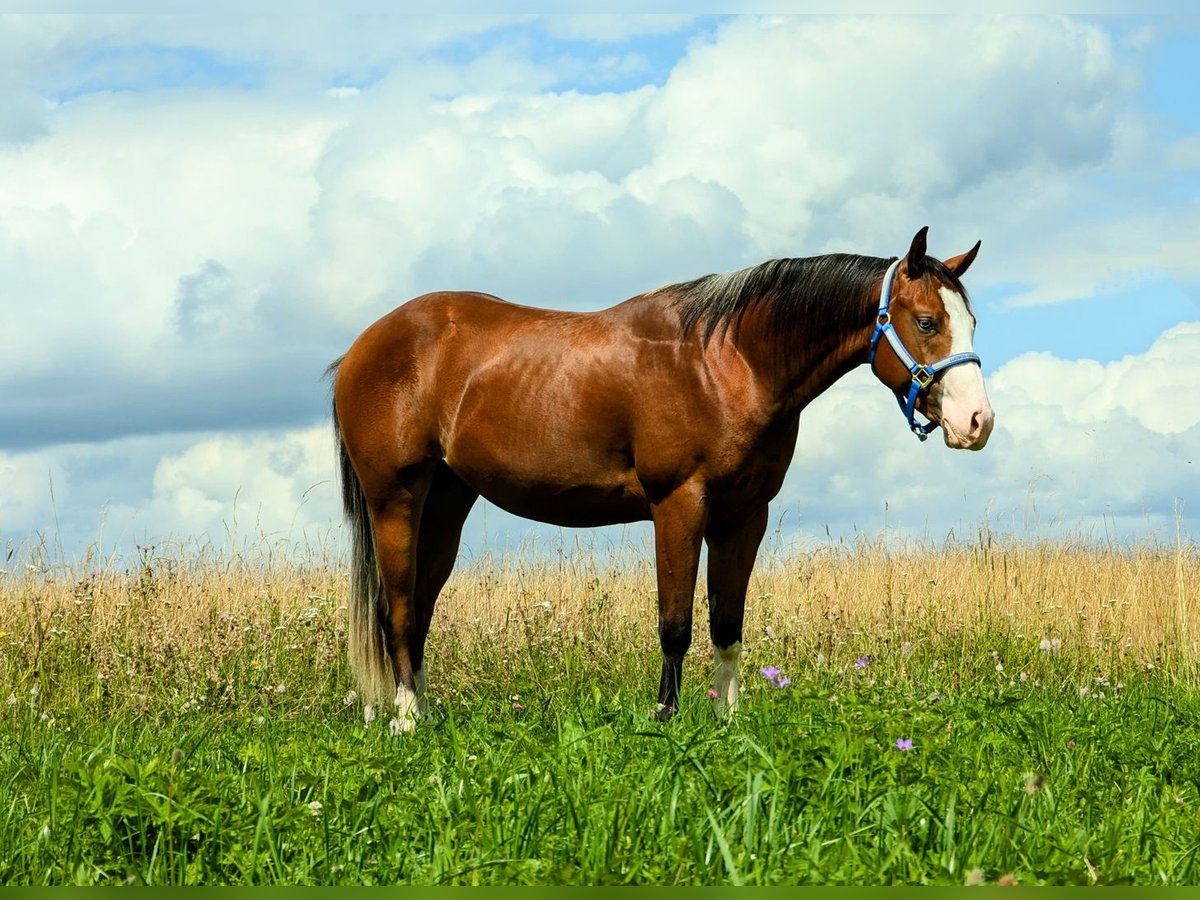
[
  {"x": 576, "y": 506},
  {"x": 577, "y": 486}
]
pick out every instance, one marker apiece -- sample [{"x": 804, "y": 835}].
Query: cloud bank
[{"x": 196, "y": 218}]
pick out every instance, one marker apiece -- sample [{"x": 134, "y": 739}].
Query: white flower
[{"x": 315, "y": 807}]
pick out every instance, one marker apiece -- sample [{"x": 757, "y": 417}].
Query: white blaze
[
  {"x": 726, "y": 682},
  {"x": 963, "y": 395}
]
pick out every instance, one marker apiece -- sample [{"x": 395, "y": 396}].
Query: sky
[{"x": 199, "y": 212}]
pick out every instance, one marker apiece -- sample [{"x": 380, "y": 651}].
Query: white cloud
[{"x": 832, "y": 128}]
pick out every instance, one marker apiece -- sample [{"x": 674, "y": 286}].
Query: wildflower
[
  {"x": 974, "y": 878},
  {"x": 1034, "y": 782},
  {"x": 862, "y": 662},
  {"x": 369, "y": 713},
  {"x": 904, "y": 744},
  {"x": 1007, "y": 880},
  {"x": 775, "y": 675},
  {"x": 315, "y": 807},
  {"x": 350, "y": 698},
  {"x": 712, "y": 694},
  {"x": 1070, "y": 745}
]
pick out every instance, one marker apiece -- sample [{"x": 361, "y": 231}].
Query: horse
[{"x": 680, "y": 405}]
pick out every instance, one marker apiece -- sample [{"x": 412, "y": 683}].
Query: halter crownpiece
[{"x": 922, "y": 375}]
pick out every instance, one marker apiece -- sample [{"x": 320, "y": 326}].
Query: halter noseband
[{"x": 922, "y": 375}]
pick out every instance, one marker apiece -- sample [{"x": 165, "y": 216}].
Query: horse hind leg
[
  {"x": 397, "y": 521},
  {"x": 446, "y": 507}
]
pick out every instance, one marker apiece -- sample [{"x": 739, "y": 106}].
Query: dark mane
[{"x": 839, "y": 289}]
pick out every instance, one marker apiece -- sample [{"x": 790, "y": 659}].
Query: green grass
[{"x": 219, "y": 777}]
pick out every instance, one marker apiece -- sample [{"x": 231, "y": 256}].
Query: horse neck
[{"x": 798, "y": 364}]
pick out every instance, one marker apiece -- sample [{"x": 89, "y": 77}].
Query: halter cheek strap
[{"x": 922, "y": 375}]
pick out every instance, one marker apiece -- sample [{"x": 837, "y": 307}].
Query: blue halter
[{"x": 922, "y": 375}]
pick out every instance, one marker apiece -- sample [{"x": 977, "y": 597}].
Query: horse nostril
[{"x": 976, "y": 423}]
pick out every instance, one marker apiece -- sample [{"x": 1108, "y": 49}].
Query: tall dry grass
[{"x": 197, "y": 621}]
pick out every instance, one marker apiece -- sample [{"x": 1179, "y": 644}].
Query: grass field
[{"x": 990, "y": 712}]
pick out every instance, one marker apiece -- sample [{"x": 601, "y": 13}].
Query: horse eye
[{"x": 925, "y": 323}]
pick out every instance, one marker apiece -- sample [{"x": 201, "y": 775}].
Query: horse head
[{"x": 922, "y": 346}]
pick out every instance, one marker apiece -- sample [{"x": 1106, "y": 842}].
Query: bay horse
[{"x": 680, "y": 405}]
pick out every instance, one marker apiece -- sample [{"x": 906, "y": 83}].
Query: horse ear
[
  {"x": 916, "y": 253},
  {"x": 959, "y": 264}
]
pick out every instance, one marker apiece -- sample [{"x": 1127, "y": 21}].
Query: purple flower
[
  {"x": 775, "y": 675},
  {"x": 904, "y": 744},
  {"x": 712, "y": 694},
  {"x": 862, "y": 662}
]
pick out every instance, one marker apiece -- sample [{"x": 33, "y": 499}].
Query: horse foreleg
[
  {"x": 732, "y": 549},
  {"x": 678, "y": 527}
]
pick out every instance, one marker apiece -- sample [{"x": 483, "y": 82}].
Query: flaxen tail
[{"x": 368, "y": 653}]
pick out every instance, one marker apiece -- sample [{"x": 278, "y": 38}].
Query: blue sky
[{"x": 198, "y": 212}]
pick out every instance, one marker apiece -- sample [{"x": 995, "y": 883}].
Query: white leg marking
[
  {"x": 726, "y": 681},
  {"x": 407, "y": 710}
]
